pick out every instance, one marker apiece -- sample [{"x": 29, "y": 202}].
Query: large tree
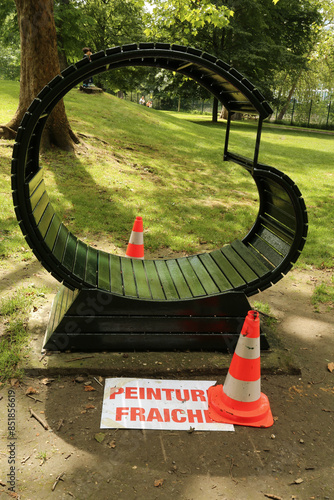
[{"x": 39, "y": 64}]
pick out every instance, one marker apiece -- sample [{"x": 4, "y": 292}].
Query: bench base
[{"x": 90, "y": 320}]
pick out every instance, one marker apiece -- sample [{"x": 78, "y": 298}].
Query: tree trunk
[
  {"x": 292, "y": 90},
  {"x": 39, "y": 64},
  {"x": 215, "y": 110},
  {"x": 223, "y": 113},
  {"x": 63, "y": 63},
  {"x": 286, "y": 105}
]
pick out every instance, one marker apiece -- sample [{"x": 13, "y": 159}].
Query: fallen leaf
[
  {"x": 112, "y": 444},
  {"x": 99, "y": 437},
  {"x": 273, "y": 497},
  {"x": 31, "y": 390},
  {"x": 89, "y": 388},
  {"x": 89, "y": 406},
  {"x": 158, "y": 483},
  {"x": 330, "y": 367},
  {"x": 47, "y": 381},
  {"x": 298, "y": 481}
]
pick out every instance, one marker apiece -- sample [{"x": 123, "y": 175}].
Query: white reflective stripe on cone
[
  {"x": 241, "y": 390},
  {"x": 136, "y": 238},
  {"x": 248, "y": 348}
]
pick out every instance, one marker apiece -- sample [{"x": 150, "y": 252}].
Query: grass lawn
[{"x": 168, "y": 168}]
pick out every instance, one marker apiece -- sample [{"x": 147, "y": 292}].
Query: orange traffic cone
[
  {"x": 135, "y": 248},
  {"x": 240, "y": 401}
]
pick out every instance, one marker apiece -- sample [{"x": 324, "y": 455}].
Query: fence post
[
  {"x": 329, "y": 109},
  {"x": 309, "y": 114}
]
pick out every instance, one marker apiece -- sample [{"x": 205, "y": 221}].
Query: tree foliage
[
  {"x": 97, "y": 23},
  {"x": 180, "y": 20},
  {"x": 279, "y": 45}
]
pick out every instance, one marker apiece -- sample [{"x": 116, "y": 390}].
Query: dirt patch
[{"x": 294, "y": 459}]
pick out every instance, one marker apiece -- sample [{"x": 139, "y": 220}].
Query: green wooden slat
[
  {"x": 267, "y": 251},
  {"x": 103, "y": 271},
  {"x": 91, "y": 266},
  {"x": 153, "y": 280},
  {"x": 54, "y": 312},
  {"x": 40, "y": 207},
  {"x": 129, "y": 283},
  {"x": 191, "y": 278},
  {"x": 143, "y": 288},
  {"x": 34, "y": 181},
  {"x": 274, "y": 241},
  {"x": 37, "y": 195},
  {"x": 231, "y": 274},
  {"x": 69, "y": 253},
  {"x": 80, "y": 260},
  {"x": 61, "y": 304},
  {"x": 278, "y": 198},
  {"x": 269, "y": 266},
  {"x": 276, "y": 227},
  {"x": 166, "y": 280},
  {"x": 219, "y": 277},
  {"x": 116, "y": 281},
  {"x": 280, "y": 216},
  {"x": 252, "y": 260},
  {"x": 276, "y": 190},
  {"x": 45, "y": 220},
  {"x": 279, "y": 209},
  {"x": 60, "y": 242},
  {"x": 180, "y": 283},
  {"x": 238, "y": 263},
  {"x": 52, "y": 231},
  {"x": 203, "y": 275}
]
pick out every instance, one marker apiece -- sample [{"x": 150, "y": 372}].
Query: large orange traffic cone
[
  {"x": 240, "y": 401},
  {"x": 135, "y": 248}
]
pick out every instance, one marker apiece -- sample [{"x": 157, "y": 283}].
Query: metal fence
[
  {"x": 199, "y": 106},
  {"x": 314, "y": 113}
]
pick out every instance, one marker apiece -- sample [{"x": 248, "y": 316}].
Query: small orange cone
[
  {"x": 240, "y": 401},
  {"x": 135, "y": 248}
]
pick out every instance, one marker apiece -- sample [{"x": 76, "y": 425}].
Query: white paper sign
[{"x": 131, "y": 403}]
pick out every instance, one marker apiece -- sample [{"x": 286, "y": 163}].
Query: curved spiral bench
[{"x": 112, "y": 302}]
